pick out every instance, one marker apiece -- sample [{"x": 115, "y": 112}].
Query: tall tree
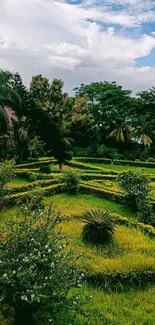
[{"x": 8, "y": 97}]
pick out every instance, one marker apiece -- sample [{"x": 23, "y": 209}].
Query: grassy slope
[{"x": 125, "y": 168}]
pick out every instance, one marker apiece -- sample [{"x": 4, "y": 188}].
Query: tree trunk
[
  {"x": 60, "y": 165},
  {"x": 23, "y": 316}
]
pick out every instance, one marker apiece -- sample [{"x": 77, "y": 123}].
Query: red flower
[
  {"x": 23, "y": 197},
  {"x": 3, "y": 207},
  {"x": 42, "y": 195}
]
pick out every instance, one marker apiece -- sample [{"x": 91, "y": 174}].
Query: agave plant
[{"x": 99, "y": 227}]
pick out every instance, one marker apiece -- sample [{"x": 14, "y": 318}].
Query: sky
[{"x": 80, "y": 41}]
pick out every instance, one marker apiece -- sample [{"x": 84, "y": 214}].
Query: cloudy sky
[{"x": 80, "y": 41}]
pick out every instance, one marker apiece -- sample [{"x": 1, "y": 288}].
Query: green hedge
[
  {"x": 94, "y": 160},
  {"x": 88, "y": 176},
  {"x": 110, "y": 195},
  {"x": 36, "y": 163},
  {"x": 134, "y": 163},
  {"x": 48, "y": 190},
  {"x": 28, "y": 187},
  {"x": 81, "y": 165}
]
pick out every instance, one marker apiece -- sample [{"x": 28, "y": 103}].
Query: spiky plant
[{"x": 99, "y": 227}]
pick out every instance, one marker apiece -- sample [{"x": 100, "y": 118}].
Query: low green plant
[
  {"x": 71, "y": 182},
  {"x": 37, "y": 270},
  {"x": 45, "y": 169},
  {"x": 99, "y": 227},
  {"x": 135, "y": 186},
  {"x": 146, "y": 213}
]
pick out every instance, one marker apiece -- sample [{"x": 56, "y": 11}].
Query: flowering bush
[
  {"x": 6, "y": 173},
  {"x": 71, "y": 182},
  {"x": 38, "y": 270},
  {"x": 135, "y": 185}
]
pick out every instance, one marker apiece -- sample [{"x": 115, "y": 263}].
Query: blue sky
[{"x": 80, "y": 41}]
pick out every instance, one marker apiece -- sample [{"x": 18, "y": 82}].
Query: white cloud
[{"x": 56, "y": 39}]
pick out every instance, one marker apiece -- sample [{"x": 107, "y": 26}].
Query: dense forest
[{"x": 101, "y": 120}]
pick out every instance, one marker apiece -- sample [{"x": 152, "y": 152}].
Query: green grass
[
  {"x": 73, "y": 205},
  {"x": 135, "y": 307},
  {"x": 125, "y": 168},
  {"x": 18, "y": 181}
]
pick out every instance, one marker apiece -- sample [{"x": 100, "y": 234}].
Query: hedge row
[
  {"x": 36, "y": 163},
  {"x": 110, "y": 195},
  {"x": 100, "y": 192},
  {"x": 81, "y": 165},
  {"x": 36, "y": 175},
  {"x": 134, "y": 163},
  {"x": 31, "y": 186},
  {"x": 88, "y": 176},
  {"x": 116, "y": 162},
  {"x": 48, "y": 190},
  {"x": 94, "y": 160}
]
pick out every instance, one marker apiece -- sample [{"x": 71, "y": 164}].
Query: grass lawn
[
  {"x": 73, "y": 205},
  {"x": 134, "y": 307},
  {"x": 18, "y": 181},
  {"x": 125, "y": 168}
]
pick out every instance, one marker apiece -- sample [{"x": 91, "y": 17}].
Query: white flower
[
  {"x": 46, "y": 278},
  {"x": 74, "y": 302},
  {"x": 46, "y": 246},
  {"x": 79, "y": 285},
  {"x": 13, "y": 272},
  {"x": 5, "y": 276},
  {"x": 52, "y": 264},
  {"x": 32, "y": 296},
  {"x": 49, "y": 250},
  {"x": 25, "y": 208},
  {"x": 82, "y": 275}
]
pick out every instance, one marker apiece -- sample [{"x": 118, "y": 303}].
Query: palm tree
[
  {"x": 141, "y": 132},
  {"x": 99, "y": 227},
  {"x": 121, "y": 132},
  {"x": 8, "y": 97}
]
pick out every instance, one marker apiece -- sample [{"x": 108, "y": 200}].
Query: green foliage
[
  {"x": 46, "y": 169},
  {"x": 99, "y": 228},
  {"x": 71, "y": 182},
  {"x": 37, "y": 270},
  {"x": 6, "y": 173},
  {"x": 135, "y": 186},
  {"x": 146, "y": 213}
]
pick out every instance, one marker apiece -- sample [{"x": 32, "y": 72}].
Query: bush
[
  {"x": 146, "y": 213},
  {"x": 71, "y": 182},
  {"x": 6, "y": 173},
  {"x": 134, "y": 163},
  {"x": 135, "y": 185},
  {"x": 99, "y": 228},
  {"x": 37, "y": 271},
  {"x": 45, "y": 169}
]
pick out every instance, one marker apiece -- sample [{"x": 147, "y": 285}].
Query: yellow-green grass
[
  {"x": 134, "y": 307},
  {"x": 130, "y": 251},
  {"x": 75, "y": 205}
]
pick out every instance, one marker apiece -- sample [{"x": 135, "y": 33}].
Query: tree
[
  {"x": 142, "y": 130},
  {"x": 8, "y": 97},
  {"x": 121, "y": 131},
  {"x": 81, "y": 127}
]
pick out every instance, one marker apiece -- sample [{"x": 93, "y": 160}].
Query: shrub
[
  {"x": 146, "y": 213},
  {"x": 37, "y": 271},
  {"x": 99, "y": 228},
  {"x": 135, "y": 185},
  {"x": 6, "y": 173},
  {"x": 71, "y": 182},
  {"x": 45, "y": 169}
]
